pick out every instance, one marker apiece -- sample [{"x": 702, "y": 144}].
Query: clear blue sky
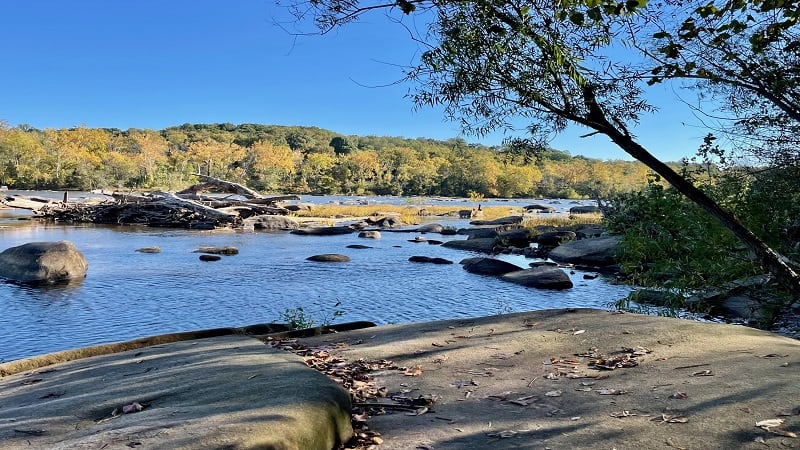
[{"x": 154, "y": 64}]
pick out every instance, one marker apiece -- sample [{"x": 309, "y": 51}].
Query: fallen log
[
  {"x": 30, "y": 203},
  {"x": 211, "y": 183},
  {"x": 172, "y": 199}
]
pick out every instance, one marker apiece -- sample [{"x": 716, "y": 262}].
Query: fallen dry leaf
[
  {"x": 503, "y": 434},
  {"x": 769, "y": 423},
  {"x": 523, "y": 401},
  {"x": 132, "y": 408},
  {"x": 611, "y": 391},
  {"x": 413, "y": 371},
  {"x": 553, "y": 394},
  {"x": 418, "y": 411},
  {"x": 503, "y": 396},
  {"x": 621, "y": 414},
  {"x": 529, "y": 324},
  {"x": 783, "y": 433},
  {"x": 679, "y": 395},
  {"x": 664, "y": 418}
]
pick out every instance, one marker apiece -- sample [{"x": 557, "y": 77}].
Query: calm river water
[{"x": 128, "y": 294}]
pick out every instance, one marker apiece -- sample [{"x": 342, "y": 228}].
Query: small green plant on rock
[{"x": 298, "y": 319}]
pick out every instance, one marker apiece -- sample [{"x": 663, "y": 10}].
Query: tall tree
[{"x": 492, "y": 61}]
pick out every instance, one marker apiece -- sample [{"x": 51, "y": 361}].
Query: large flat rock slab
[
  {"x": 531, "y": 380},
  {"x": 226, "y": 392}
]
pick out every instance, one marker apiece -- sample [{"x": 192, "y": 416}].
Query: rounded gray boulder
[
  {"x": 542, "y": 277},
  {"x": 483, "y": 245},
  {"x": 430, "y": 228},
  {"x": 488, "y": 266},
  {"x": 43, "y": 262},
  {"x": 600, "y": 251}
]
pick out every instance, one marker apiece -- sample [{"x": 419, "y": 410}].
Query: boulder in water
[
  {"x": 597, "y": 252},
  {"x": 488, "y": 266},
  {"x": 43, "y": 262},
  {"x": 542, "y": 277},
  {"x": 329, "y": 257}
]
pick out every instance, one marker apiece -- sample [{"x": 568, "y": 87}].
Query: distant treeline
[{"x": 303, "y": 160}]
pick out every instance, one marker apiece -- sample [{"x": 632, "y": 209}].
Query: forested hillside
[{"x": 274, "y": 158}]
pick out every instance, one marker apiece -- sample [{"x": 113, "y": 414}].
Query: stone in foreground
[
  {"x": 43, "y": 262},
  {"x": 229, "y": 392}
]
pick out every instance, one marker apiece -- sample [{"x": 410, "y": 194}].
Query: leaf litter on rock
[{"x": 356, "y": 378}]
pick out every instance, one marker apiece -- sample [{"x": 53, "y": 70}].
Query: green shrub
[{"x": 670, "y": 243}]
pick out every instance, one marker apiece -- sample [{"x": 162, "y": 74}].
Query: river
[{"x": 128, "y": 294}]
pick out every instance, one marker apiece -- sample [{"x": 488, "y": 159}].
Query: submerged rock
[
  {"x": 428, "y": 259},
  {"x": 323, "y": 231},
  {"x": 149, "y": 250},
  {"x": 218, "y": 250},
  {"x": 329, "y": 257}
]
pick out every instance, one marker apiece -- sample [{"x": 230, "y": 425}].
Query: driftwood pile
[{"x": 189, "y": 208}]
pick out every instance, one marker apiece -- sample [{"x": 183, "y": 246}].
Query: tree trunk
[{"x": 769, "y": 259}]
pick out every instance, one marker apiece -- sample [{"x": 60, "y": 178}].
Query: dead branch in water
[{"x": 184, "y": 209}]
